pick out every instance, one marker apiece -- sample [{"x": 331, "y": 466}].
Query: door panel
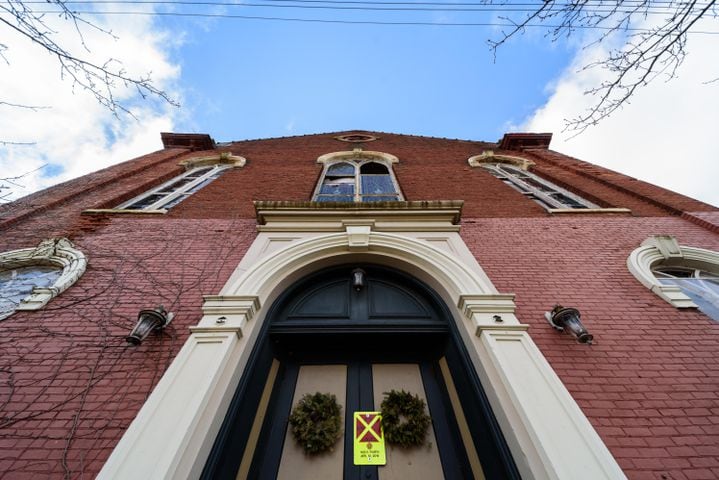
[
  {"x": 417, "y": 463},
  {"x": 294, "y": 464},
  {"x": 360, "y": 386}
]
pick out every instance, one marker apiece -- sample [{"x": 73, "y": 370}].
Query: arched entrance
[
  {"x": 324, "y": 333},
  {"x": 227, "y": 364}
]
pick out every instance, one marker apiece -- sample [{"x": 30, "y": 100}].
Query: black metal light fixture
[
  {"x": 567, "y": 318},
  {"x": 358, "y": 279},
  {"x": 147, "y": 321}
]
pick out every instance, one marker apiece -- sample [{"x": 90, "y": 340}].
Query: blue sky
[
  {"x": 238, "y": 79},
  {"x": 257, "y": 79}
]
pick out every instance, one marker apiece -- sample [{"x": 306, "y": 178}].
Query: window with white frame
[
  {"x": 357, "y": 180},
  {"x": 686, "y": 277},
  {"x": 31, "y": 277},
  {"x": 542, "y": 191},
  {"x": 176, "y": 190}
]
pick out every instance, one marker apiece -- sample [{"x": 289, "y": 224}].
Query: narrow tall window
[
  {"x": 357, "y": 181},
  {"x": 541, "y": 191},
  {"x": 176, "y": 190}
]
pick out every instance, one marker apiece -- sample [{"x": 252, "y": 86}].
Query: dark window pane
[
  {"x": 373, "y": 168},
  {"x": 174, "y": 201},
  {"x": 198, "y": 172},
  {"x": 674, "y": 272},
  {"x": 567, "y": 201},
  {"x": 539, "y": 185},
  {"x": 145, "y": 202}
]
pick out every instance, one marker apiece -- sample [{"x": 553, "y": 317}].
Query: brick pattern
[
  {"x": 650, "y": 383},
  {"x": 70, "y": 386}
]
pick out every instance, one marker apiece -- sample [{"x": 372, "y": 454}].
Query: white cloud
[
  {"x": 667, "y": 135},
  {"x": 75, "y": 135}
]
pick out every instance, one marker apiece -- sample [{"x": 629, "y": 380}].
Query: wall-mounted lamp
[
  {"x": 147, "y": 321},
  {"x": 358, "y": 279},
  {"x": 567, "y": 318}
]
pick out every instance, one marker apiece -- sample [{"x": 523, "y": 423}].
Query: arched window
[
  {"x": 686, "y": 277},
  {"x": 31, "y": 277},
  {"x": 357, "y": 178},
  {"x": 176, "y": 190},
  {"x": 542, "y": 191}
]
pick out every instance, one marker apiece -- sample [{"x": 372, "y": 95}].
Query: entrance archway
[
  {"x": 326, "y": 334},
  {"x": 174, "y": 433}
]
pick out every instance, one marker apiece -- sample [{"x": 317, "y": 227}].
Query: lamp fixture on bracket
[
  {"x": 567, "y": 318},
  {"x": 147, "y": 321},
  {"x": 358, "y": 279}
]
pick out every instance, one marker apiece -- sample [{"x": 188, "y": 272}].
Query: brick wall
[
  {"x": 70, "y": 386},
  {"x": 650, "y": 383}
]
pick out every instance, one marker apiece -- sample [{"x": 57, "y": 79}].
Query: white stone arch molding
[
  {"x": 666, "y": 249},
  {"x": 265, "y": 276},
  {"x": 58, "y": 252},
  {"x": 488, "y": 156},
  {"x": 224, "y": 158},
  {"x": 173, "y": 433}
]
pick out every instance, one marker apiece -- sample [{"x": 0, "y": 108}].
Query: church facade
[{"x": 164, "y": 317}]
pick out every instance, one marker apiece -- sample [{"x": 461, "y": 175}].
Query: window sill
[
  {"x": 562, "y": 211},
  {"x": 96, "y": 211}
]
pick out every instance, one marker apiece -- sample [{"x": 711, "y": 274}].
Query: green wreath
[
  {"x": 404, "y": 420},
  {"x": 316, "y": 422}
]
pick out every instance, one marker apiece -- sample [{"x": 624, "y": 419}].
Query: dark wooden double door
[{"x": 326, "y": 334}]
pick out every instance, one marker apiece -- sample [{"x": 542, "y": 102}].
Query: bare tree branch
[
  {"x": 646, "y": 54},
  {"x": 7, "y": 183},
  {"x": 100, "y": 80}
]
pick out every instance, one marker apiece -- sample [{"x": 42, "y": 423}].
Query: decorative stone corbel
[
  {"x": 358, "y": 237},
  {"x": 227, "y": 313},
  {"x": 667, "y": 245},
  {"x": 490, "y": 312}
]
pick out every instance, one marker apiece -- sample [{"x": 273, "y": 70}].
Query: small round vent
[{"x": 356, "y": 138}]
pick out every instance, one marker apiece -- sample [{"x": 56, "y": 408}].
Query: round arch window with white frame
[
  {"x": 357, "y": 176},
  {"x": 686, "y": 277},
  {"x": 31, "y": 277}
]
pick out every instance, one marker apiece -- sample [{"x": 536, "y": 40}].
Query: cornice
[{"x": 434, "y": 215}]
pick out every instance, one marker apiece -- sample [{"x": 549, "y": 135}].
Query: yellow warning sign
[{"x": 368, "y": 439}]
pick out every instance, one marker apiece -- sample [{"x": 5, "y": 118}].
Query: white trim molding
[
  {"x": 488, "y": 156},
  {"x": 666, "y": 249},
  {"x": 224, "y": 158},
  {"x": 334, "y": 157},
  {"x": 174, "y": 431},
  {"x": 58, "y": 252}
]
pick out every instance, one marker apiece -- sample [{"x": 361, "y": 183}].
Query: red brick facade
[{"x": 70, "y": 385}]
